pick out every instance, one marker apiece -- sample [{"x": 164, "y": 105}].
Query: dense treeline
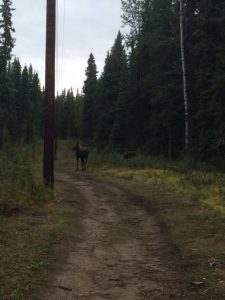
[
  {"x": 21, "y": 98},
  {"x": 69, "y": 112},
  {"x": 137, "y": 102},
  {"x": 22, "y": 114},
  {"x": 25, "y": 113},
  {"x": 20, "y": 92}
]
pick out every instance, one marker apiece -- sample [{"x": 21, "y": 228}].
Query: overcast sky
[{"x": 90, "y": 26}]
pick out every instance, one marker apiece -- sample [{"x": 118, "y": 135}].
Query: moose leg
[
  {"x": 82, "y": 164},
  {"x": 85, "y": 164},
  {"x": 77, "y": 164}
]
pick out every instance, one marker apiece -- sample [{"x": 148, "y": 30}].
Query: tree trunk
[{"x": 186, "y": 106}]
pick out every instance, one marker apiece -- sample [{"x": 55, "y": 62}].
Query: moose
[
  {"x": 82, "y": 154},
  {"x": 129, "y": 154}
]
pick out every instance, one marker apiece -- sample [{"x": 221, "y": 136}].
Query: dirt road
[{"x": 120, "y": 253}]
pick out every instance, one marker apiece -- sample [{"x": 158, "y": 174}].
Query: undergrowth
[
  {"x": 19, "y": 183},
  {"x": 188, "y": 177},
  {"x": 188, "y": 199}
]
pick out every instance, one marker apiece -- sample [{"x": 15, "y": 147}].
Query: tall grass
[
  {"x": 19, "y": 185},
  {"x": 186, "y": 176}
]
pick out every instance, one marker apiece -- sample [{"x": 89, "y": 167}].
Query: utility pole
[{"x": 49, "y": 102}]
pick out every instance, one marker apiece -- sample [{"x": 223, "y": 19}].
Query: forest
[
  {"x": 137, "y": 101},
  {"x": 20, "y": 91}
]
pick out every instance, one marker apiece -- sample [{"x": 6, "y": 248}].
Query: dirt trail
[{"x": 120, "y": 252}]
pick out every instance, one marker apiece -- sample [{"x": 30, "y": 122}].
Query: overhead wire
[
  {"x": 60, "y": 39},
  {"x": 63, "y": 37},
  {"x": 57, "y": 47}
]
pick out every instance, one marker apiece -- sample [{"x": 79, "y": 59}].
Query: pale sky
[{"x": 90, "y": 26}]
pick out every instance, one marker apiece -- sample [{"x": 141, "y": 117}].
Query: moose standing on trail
[
  {"x": 129, "y": 154},
  {"x": 82, "y": 154}
]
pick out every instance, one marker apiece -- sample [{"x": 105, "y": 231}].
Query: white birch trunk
[{"x": 186, "y": 107}]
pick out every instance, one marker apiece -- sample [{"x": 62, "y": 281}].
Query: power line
[
  {"x": 57, "y": 46},
  {"x": 63, "y": 37},
  {"x": 60, "y": 36}
]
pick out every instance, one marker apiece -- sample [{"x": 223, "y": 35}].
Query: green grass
[
  {"x": 20, "y": 184},
  {"x": 201, "y": 181},
  {"x": 31, "y": 243},
  {"x": 188, "y": 199},
  {"x": 33, "y": 223}
]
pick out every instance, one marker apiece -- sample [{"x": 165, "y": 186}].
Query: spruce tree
[
  {"x": 14, "y": 122},
  {"x": 36, "y": 108},
  {"x": 89, "y": 98},
  {"x": 120, "y": 132},
  {"x": 6, "y": 29},
  {"x": 71, "y": 115},
  {"x": 24, "y": 100},
  {"x": 62, "y": 119},
  {"x": 79, "y": 104},
  {"x": 209, "y": 85},
  {"x": 154, "y": 79},
  {"x": 108, "y": 91},
  {"x": 138, "y": 99},
  {"x": 6, "y": 46}
]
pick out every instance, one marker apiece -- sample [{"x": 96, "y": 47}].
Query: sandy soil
[{"x": 120, "y": 253}]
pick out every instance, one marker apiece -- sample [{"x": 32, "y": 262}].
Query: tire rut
[{"x": 119, "y": 254}]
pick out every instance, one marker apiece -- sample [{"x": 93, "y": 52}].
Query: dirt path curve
[{"x": 119, "y": 254}]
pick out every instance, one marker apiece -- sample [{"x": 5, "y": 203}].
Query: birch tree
[
  {"x": 132, "y": 17},
  {"x": 186, "y": 104}
]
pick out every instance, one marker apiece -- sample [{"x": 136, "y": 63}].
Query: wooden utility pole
[{"x": 49, "y": 102}]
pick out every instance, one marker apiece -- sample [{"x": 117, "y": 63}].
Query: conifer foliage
[
  {"x": 89, "y": 98},
  {"x": 69, "y": 115},
  {"x": 20, "y": 92},
  {"x": 139, "y": 102},
  {"x": 6, "y": 46}
]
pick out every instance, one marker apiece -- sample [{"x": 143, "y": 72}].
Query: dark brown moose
[
  {"x": 129, "y": 154},
  {"x": 82, "y": 154}
]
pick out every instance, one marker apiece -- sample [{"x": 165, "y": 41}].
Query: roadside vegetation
[
  {"x": 185, "y": 177},
  {"x": 21, "y": 188},
  {"x": 188, "y": 199},
  {"x": 32, "y": 222}
]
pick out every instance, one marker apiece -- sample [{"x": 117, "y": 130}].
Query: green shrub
[{"x": 19, "y": 187}]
